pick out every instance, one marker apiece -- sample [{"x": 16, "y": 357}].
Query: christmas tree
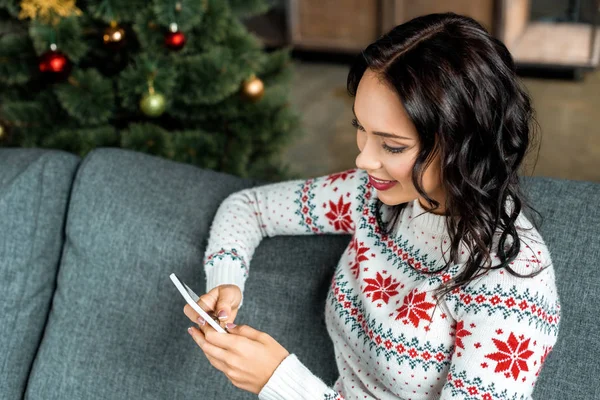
[{"x": 180, "y": 79}]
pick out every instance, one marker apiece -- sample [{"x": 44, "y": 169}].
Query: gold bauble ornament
[
  {"x": 253, "y": 88},
  {"x": 153, "y": 104},
  {"x": 4, "y": 131},
  {"x": 114, "y": 34}
]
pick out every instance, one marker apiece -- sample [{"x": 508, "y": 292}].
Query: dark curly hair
[{"x": 458, "y": 85}]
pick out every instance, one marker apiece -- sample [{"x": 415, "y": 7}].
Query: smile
[{"x": 381, "y": 185}]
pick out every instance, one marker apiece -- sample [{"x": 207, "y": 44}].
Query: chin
[{"x": 393, "y": 200}]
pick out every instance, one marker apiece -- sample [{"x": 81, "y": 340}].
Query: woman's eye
[
  {"x": 356, "y": 125},
  {"x": 393, "y": 150}
]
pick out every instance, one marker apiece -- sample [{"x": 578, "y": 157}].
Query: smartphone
[{"x": 192, "y": 299}]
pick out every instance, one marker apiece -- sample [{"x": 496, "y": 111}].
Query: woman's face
[{"x": 389, "y": 144}]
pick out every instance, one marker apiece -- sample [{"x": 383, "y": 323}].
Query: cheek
[{"x": 401, "y": 171}]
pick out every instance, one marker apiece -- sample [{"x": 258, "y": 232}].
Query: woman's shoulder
[
  {"x": 533, "y": 256},
  {"x": 528, "y": 279},
  {"x": 524, "y": 289},
  {"x": 348, "y": 182},
  {"x": 529, "y": 276}
]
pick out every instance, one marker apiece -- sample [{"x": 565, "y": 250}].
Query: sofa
[{"x": 87, "y": 309}]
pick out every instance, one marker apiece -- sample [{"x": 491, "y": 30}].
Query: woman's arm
[
  {"x": 293, "y": 381},
  {"x": 506, "y": 327},
  {"x": 324, "y": 205}
]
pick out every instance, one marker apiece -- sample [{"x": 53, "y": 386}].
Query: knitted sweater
[{"x": 486, "y": 340}]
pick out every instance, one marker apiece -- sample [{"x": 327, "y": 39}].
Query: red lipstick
[{"x": 381, "y": 185}]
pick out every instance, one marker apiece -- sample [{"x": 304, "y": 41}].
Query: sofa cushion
[
  {"x": 34, "y": 189},
  {"x": 117, "y": 329},
  {"x": 571, "y": 229}
]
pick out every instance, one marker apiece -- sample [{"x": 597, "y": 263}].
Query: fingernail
[
  {"x": 201, "y": 321},
  {"x": 229, "y": 325},
  {"x": 222, "y": 314},
  {"x": 190, "y": 330}
]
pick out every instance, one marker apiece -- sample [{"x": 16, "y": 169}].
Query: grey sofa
[{"x": 87, "y": 309}]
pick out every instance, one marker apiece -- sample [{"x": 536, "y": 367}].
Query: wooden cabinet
[
  {"x": 347, "y": 25},
  {"x": 559, "y": 45},
  {"x": 399, "y": 11},
  {"x": 350, "y": 25}
]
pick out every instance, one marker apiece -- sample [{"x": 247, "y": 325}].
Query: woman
[{"x": 446, "y": 290}]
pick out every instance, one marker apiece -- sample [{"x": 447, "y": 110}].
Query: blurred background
[
  {"x": 556, "y": 44},
  {"x": 257, "y": 88}
]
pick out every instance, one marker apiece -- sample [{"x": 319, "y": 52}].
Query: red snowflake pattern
[
  {"x": 340, "y": 216},
  {"x": 342, "y": 175},
  {"x": 359, "y": 257},
  {"x": 380, "y": 288},
  {"x": 511, "y": 356},
  {"x": 460, "y": 332},
  {"x": 414, "y": 308},
  {"x": 547, "y": 350}
]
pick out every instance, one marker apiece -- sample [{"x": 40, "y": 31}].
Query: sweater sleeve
[
  {"x": 505, "y": 328},
  {"x": 293, "y": 381},
  {"x": 323, "y": 205}
]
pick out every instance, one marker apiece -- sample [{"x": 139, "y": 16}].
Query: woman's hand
[
  {"x": 246, "y": 356},
  {"x": 224, "y": 300}
]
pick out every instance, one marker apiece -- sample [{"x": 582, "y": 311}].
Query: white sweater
[{"x": 487, "y": 340}]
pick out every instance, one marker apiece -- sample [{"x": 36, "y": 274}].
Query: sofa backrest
[
  {"x": 571, "y": 229},
  {"x": 117, "y": 330},
  {"x": 34, "y": 190}
]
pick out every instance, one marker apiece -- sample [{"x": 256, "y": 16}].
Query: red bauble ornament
[
  {"x": 54, "y": 65},
  {"x": 174, "y": 39}
]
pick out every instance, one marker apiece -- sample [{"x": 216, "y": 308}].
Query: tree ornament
[
  {"x": 253, "y": 88},
  {"x": 175, "y": 39},
  {"x": 49, "y": 11},
  {"x": 153, "y": 104},
  {"x": 3, "y": 132},
  {"x": 114, "y": 35},
  {"x": 54, "y": 65}
]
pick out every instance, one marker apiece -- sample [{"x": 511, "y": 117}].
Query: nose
[{"x": 367, "y": 159}]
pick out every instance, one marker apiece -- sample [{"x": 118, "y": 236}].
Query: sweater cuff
[
  {"x": 226, "y": 272},
  {"x": 293, "y": 381}
]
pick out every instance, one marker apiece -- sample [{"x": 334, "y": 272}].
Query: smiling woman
[
  {"x": 436, "y": 283},
  {"x": 389, "y": 157},
  {"x": 436, "y": 80}
]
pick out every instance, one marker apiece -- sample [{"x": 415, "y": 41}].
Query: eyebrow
[{"x": 383, "y": 134}]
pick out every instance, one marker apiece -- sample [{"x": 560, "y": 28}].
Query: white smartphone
[{"x": 192, "y": 299}]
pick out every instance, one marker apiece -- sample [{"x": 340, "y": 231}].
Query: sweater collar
[{"x": 425, "y": 220}]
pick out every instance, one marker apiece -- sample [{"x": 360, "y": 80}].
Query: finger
[
  {"x": 247, "y": 332},
  {"x": 208, "y": 348},
  {"x": 190, "y": 313},
  {"x": 208, "y": 301},
  {"x": 228, "y": 302},
  {"x": 194, "y": 316},
  {"x": 198, "y": 337},
  {"x": 224, "y": 341},
  {"x": 205, "y": 302},
  {"x": 223, "y": 309},
  {"x": 220, "y": 365},
  {"x": 205, "y": 326}
]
